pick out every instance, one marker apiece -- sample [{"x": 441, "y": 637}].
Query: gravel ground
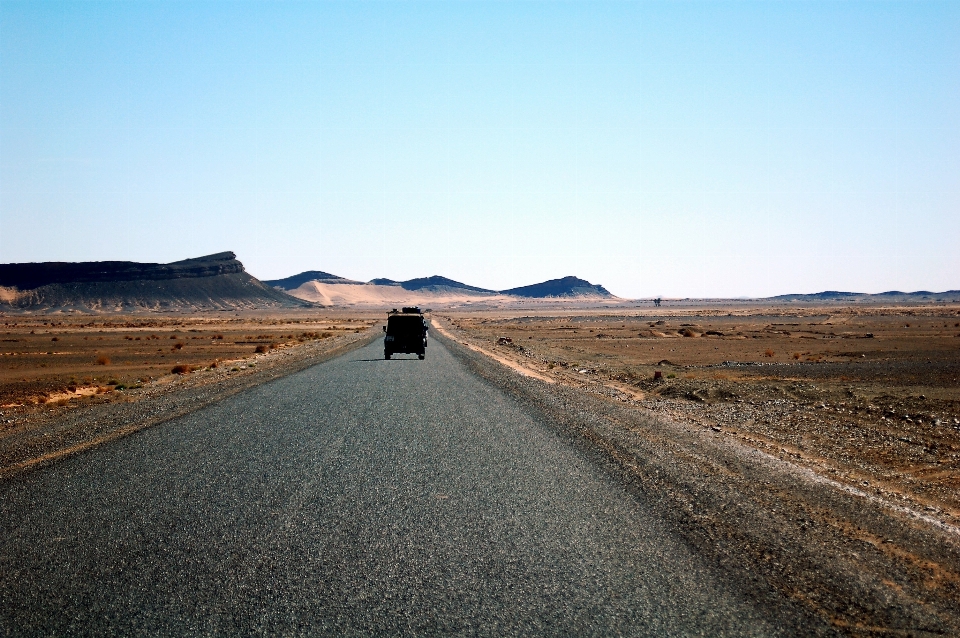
[
  {"x": 863, "y": 563},
  {"x": 35, "y": 435}
]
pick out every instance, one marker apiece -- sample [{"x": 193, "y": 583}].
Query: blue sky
[{"x": 671, "y": 148}]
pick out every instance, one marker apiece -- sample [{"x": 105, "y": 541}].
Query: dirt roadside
[
  {"x": 868, "y": 564},
  {"x": 32, "y": 436}
]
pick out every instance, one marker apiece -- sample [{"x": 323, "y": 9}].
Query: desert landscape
[
  {"x": 860, "y": 392},
  {"x": 868, "y": 395},
  {"x": 57, "y": 359}
]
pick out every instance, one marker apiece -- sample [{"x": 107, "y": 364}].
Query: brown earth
[
  {"x": 68, "y": 383},
  {"x": 868, "y": 396},
  {"x": 46, "y": 360}
]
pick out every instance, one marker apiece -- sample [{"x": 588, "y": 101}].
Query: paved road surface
[{"x": 360, "y": 496}]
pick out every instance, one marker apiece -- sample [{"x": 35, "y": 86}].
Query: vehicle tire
[
  {"x": 421, "y": 355},
  {"x": 386, "y": 355}
]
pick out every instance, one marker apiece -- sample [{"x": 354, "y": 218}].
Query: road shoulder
[
  {"x": 790, "y": 539},
  {"x": 68, "y": 430}
]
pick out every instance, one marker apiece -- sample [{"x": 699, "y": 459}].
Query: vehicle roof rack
[{"x": 411, "y": 310}]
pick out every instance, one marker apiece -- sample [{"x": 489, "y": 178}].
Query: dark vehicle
[{"x": 406, "y": 332}]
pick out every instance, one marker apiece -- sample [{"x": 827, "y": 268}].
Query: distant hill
[
  {"x": 437, "y": 283},
  {"x": 861, "y": 297},
  {"x": 214, "y": 282},
  {"x": 313, "y": 285},
  {"x": 295, "y": 281},
  {"x": 564, "y": 287}
]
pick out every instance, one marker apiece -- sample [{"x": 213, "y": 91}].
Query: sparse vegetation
[
  {"x": 34, "y": 369},
  {"x": 182, "y": 369}
]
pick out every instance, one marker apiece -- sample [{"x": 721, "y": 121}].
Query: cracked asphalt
[{"x": 356, "y": 497}]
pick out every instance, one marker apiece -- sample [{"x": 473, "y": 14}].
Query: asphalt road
[{"x": 360, "y": 496}]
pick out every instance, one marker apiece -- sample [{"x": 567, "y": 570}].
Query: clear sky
[{"x": 671, "y": 148}]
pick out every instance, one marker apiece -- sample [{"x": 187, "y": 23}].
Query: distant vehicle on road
[{"x": 406, "y": 332}]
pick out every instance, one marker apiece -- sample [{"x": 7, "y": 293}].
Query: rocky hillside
[
  {"x": 214, "y": 282},
  {"x": 295, "y": 281},
  {"x": 566, "y": 287}
]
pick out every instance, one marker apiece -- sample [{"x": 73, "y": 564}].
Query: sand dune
[{"x": 377, "y": 295}]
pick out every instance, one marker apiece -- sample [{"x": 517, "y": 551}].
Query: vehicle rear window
[{"x": 404, "y": 324}]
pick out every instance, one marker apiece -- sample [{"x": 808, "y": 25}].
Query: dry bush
[
  {"x": 55, "y": 339},
  {"x": 261, "y": 349},
  {"x": 182, "y": 369},
  {"x": 178, "y": 346},
  {"x": 796, "y": 355},
  {"x": 173, "y": 336},
  {"x": 768, "y": 353},
  {"x": 103, "y": 361},
  {"x": 217, "y": 336},
  {"x": 274, "y": 346}
]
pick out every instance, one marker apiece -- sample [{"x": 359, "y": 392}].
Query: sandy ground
[
  {"x": 373, "y": 296},
  {"x": 342, "y": 295},
  {"x": 868, "y": 396}
]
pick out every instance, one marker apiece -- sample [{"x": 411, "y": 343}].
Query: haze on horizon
[{"x": 700, "y": 149}]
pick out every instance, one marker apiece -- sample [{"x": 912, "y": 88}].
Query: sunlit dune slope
[{"x": 378, "y": 295}]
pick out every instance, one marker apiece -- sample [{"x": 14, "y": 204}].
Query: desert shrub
[
  {"x": 671, "y": 376},
  {"x": 261, "y": 349},
  {"x": 218, "y": 336},
  {"x": 55, "y": 339},
  {"x": 768, "y": 353},
  {"x": 113, "y": 382},
  {"x": 796, "y": 355},
  {"x": 103, "y": 361},
  {"x": 178, "y": 346},
  {"x": 181, "y": 369},
  {"x": 215, "y": 364},
  {"x": 274, "y": 346},
  {"x": 173, "y": 336}
]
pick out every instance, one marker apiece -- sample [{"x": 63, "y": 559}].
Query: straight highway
[{"x": 357, "y": 497}]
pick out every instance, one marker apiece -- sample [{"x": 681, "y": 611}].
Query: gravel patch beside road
[
  {"x": 865, "y": 568},
  {"x": 39, "y": 436}
]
